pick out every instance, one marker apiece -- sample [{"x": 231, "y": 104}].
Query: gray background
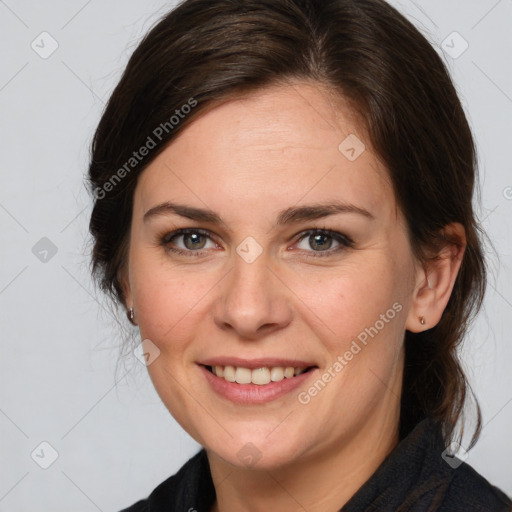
[{"x": 59, "y": 342}]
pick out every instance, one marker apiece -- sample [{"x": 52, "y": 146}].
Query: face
[{"x": 294, "y": 255}]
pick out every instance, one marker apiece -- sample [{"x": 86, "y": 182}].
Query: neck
[{"x": 322, "y": 482}]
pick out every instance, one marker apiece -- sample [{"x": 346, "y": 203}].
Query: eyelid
[
  {"x": 167, "y": 237},
  {"x": 343, "y": 240},
  {"x": 335, "y": 235}
]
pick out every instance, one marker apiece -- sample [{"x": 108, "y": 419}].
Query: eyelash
[{"x": 344, "y": 241}]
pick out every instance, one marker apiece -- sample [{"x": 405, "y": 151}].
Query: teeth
[
  {"x": 289, "y": 372},
  {"x": 277, "y": 374},
  {"x": 259, "y": 376},
  {"x": 243, "y": 375},
  {"x": 229, "y": 373}
]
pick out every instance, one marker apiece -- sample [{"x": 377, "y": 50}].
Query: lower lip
[{"x": 253, "y": 393}]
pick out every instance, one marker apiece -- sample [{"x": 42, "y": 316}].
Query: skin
[{"x": 247, "y": 159}]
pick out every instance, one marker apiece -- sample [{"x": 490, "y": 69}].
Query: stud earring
[{"x": 422, "y": 320}]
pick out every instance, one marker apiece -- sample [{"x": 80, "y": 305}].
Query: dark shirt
[{"x": 413, "y": 477}]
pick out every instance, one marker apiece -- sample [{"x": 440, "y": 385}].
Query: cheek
[
  {"x": 358, "y": 314},
  {"x": 168, "y": 301},
  {"x": 362, "y": 318},
  {"x": 348, "y": 298},
  {"x": 174, "y": 305}
]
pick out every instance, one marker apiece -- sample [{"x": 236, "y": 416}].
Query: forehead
[{"x": 276, "y": 147}]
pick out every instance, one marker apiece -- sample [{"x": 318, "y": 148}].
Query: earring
[
  {"x": 422, "y": 320},
  {"x": 131, "y": 315}
]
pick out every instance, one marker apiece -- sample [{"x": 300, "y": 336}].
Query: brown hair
[{"x": 205, "y": 51}]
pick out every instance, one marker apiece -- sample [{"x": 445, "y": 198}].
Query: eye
[
  {"x": 321, "y": 241},
  {"x": 194, "y": 242},
  {"x": 188, "y": 241}
]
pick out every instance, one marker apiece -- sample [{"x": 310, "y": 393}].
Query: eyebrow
[{"x": 290, "y": 215}]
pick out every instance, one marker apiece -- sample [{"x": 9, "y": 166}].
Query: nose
[{"x": 252, "y": 300}]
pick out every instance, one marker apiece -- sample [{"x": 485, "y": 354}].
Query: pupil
[
  {"x": 195, "y": 241},
  {"x": 321, "y": 241}
]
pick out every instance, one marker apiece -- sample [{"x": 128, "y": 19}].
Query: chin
[{"x": 258, "y": 453}]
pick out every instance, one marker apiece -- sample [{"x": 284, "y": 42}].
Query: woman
[{"x": 283, "y": 204}]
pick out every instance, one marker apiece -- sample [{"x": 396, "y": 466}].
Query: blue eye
[
  {"x": 194, "y": 242},
  {"x": 321, "y": 241}
]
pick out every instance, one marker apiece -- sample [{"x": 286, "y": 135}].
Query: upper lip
[{"x": 262, "y": 362}]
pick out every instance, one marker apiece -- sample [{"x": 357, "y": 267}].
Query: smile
[
  {"x": 252, "y": 382},
  {"x": 259, "y": 376}
]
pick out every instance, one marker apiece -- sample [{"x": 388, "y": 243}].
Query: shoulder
[
  {"x": 450, "y": 485},
  {"x": 417, "y": 476},
  {"x": 468, "y": 490},
  {"x": 140, "y": 506},
  {"x": 178, "y": 490},
  {"x": 453, "y": 485}
]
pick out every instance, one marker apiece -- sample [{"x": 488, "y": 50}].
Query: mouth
[
  {"x": 265, "y": 380},
  {"x": 252, "y": 381},
  {"x": 261, "y": 376}
]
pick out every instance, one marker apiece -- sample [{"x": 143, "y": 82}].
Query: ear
[
  {"x": 124, "y": 281},
  {"x": 435, "y": 280}
]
